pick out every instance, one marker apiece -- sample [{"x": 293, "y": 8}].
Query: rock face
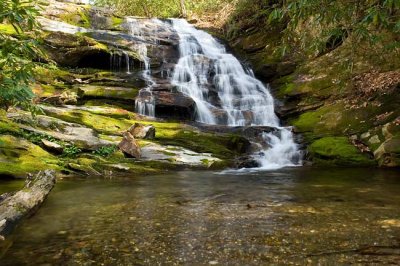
[
  {"x": 141, "y": 131},
  {"x": 174, "y": 105},
  {"x": 72, "y": 51},
  {"x": 129, "y": 146},
  {"x": 15, "y": 207}
]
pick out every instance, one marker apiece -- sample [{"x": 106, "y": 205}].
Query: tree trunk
[
  {"x": 14, "y": 207},
  {"x": 146, "y": 10},
  {"x": 183, "y": 9}
]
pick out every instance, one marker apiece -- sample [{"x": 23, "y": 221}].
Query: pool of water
[{"x": 296, "y": 216}]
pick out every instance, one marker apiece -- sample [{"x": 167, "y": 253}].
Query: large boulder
[
  {"x": 129, "y": 146},
  {"x": 174, "y": 105}
]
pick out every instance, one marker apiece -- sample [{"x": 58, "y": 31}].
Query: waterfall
[
  {"x": 227, "y": 94},
  {"x": 144, "y": 103},
  {"x": 128, "y": 63},
  {"x": 116, "y": 61}
]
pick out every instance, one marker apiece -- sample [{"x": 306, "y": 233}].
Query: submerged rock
[{"x": 129, "y": 146}]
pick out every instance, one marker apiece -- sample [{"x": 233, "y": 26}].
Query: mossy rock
[
  {"x": 7, "y": 126},
  {"x": 118, "y": 93},
  {"x": 18, "y": 157},
  {"x": 338, "y": 151}
]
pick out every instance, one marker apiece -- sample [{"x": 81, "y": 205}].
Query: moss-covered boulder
[
  {"x": 338, "y": 151},
  {"x": 19, "y": 156}
]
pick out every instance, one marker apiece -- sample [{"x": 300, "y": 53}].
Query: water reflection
[{"x": 289, "y": 216}]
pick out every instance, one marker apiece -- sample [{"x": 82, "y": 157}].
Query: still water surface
[{"x": 299, "y": 216}]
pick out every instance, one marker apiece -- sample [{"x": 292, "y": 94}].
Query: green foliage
[
  {"x": 36, "y": 138},
  {"x": 71, "y": 151},
  {"x": 312, "y": 27},
  {"x": 145, "y": 8},
  {"x": 105, "y": 151},
  {"x": 17, "y": 52},
  {"x": 163, "y": 9}
]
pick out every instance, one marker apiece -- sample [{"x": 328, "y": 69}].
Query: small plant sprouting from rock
[
  {"x": 71, "y": 151},
  {"x": 105, "y": 151},
  {"x": 36, "y": 138}
]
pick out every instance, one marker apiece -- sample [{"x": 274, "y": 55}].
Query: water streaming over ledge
[
  {"x": 224, "y": 91},
  {"x": 205, "y": 69},
  {"x": 144, "y": 103}
]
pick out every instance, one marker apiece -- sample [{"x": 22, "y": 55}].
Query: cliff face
[{"x": 344, "y": 118}]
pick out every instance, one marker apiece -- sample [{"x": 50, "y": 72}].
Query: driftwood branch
[{"x": 16, "y": 206}]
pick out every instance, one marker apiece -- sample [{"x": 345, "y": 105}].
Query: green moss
[
  {"x": 307, "y": 121},
  {"x": 91, "y": 91},
  {"x": 338, "y": 151},
  {"x": 79, "y": 18},
  {"x": 7, "y": 126},
  {"x": 18, "y": 157},
  {"x": 339, "y": 118},
  {"x": 167, "y": 133},
  {"x": 218, "y": 145},
  {"x": 116, "y": 21},
  {"x": 7, "y": 29}
]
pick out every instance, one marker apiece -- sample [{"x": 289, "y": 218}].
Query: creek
[{"x": 292, "y": 215}]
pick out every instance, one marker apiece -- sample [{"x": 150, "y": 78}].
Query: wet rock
[
  {"x": 52, "y": 147},
  {"x": 25, "y": 202},
  {"x": 247, "y": 162},
  {"x": 141, "y": 131},
  {"x": 129, "y": 146},
  {"x": 87, "y": 169},
  {"x": 174, "y": 105}
]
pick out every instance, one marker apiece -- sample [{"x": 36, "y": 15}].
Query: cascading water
[
  {"x": 116, "y": 61},
  {"x": 144, "y": 103},
  {"x": 226, "y": 94}
]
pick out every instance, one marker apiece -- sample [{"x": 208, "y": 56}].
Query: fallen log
[{"x": 16, "y": 206}]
